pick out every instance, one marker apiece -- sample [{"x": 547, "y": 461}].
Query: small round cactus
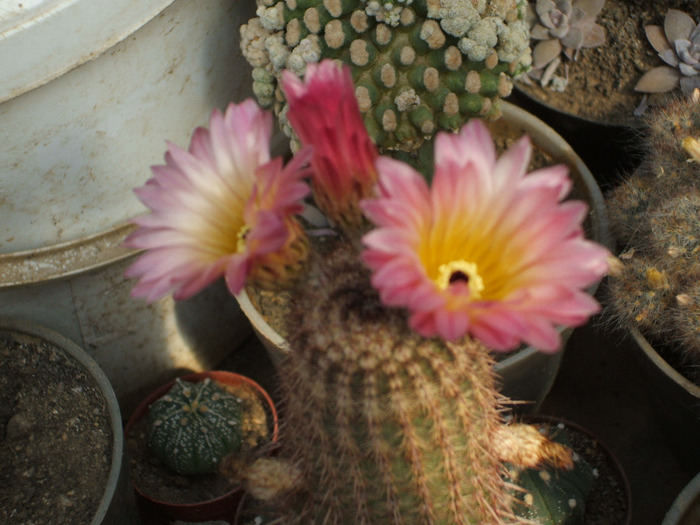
[
  {"x": 194, "y": 426},
  {"x": 418, "y": 65}
]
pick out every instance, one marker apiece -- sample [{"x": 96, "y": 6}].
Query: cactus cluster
[
  {"x": 418, "y": 65},
  {"x": 655, "y": 215},
  {"x": 195, "y": 425}
]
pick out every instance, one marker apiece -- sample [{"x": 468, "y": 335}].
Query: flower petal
[{"x": 488, "y": 250}]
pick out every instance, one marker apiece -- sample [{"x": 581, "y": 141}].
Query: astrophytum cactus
[
  {"x": 561, "y": 27},
  {"x": 418, "y": 65},
  {"x": 194, "y": 426},
  {"x": 678, "y": 45}
]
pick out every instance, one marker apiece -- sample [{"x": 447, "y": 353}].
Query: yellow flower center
[
  {"x": 463, "y": 272},
  {"x": 242, "y": 233}
]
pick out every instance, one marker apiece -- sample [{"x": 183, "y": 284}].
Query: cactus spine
[
  {"x": 385, "y": 426},
  {"x": 656, "y": 217},
  {"x": 418, "y": 65}
]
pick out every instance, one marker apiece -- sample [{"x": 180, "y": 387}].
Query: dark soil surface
[
  {"x": 55, "y": 437},
  {"x": 601, "y": 80}
]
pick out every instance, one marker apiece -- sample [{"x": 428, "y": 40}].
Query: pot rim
[
  {"x": 686, "y": 498},
  {"x": 663, "y": 365}
]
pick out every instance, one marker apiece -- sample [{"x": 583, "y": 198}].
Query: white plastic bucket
[{"x": 89, "y": 92}]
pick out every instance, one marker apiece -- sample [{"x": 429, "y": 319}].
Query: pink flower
[
  {"x": 220, "y": 208},
  {"x": 487, "y": 251},
  {"x": 324, "y": 113}
]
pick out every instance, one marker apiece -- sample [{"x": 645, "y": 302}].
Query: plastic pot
[
  {"x": 222, "y": 507},
  {"x": 117, "y": 506}
]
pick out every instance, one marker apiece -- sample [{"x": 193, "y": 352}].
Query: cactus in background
[
  {"x": 561, "y": 27},
  {"x": 656, "y": 217},
  {"x": 418, "y": 65},
  {"x": 194, "y": 426}
]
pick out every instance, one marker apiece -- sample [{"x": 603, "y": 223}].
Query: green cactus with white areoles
[
  {"x": 194, "y": 426},
  {"x": 418, "y": 65}
]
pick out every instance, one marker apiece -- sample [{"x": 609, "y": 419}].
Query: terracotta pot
[
  {"x": 685, "y": 510},
  {"x": 676, "y": 400},
  {"x": 526, "y": 375},
  {"x": 117, "y": 506},
  {"x": 222, "y": 507}
]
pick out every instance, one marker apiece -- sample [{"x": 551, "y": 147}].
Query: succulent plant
[
  {"x": 561, "y": 27},
  {"x": 194, "y": 426},
  {"x": 678, "y": 45},
  {"x": 655, "y": 214},
  {"x": 418, "y": 65}
]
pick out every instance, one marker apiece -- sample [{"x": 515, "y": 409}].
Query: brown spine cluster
[
  {"x": 384, "y": 426},
  {"x": 655, "y": 215}
]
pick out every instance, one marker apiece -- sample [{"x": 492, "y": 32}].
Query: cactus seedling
[
  {"x": 194, "y": 426},
  {"x": 418, "y": 65}
]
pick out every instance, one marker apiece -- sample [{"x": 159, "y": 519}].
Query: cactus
[
  {"x": 554, "y": 497},
  {"x": 656, "y": 216},
  {"x": 418, "y": 65},
  {"x": 194, "y": 426},
  {"x": 388, "y": 427}
]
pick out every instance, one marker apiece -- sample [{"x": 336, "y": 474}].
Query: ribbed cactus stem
[{"x": 386, "y": 427}]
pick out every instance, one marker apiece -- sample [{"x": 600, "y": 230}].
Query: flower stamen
[
  {"x": 461, "y": 271},
  {"x": 242, "y": 234}
]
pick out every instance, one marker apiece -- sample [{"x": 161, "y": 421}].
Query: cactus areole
[
  {"x": 418, "y": 65},
  {"x": 194, "y": 426}
]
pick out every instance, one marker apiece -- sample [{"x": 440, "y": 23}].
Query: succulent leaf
[
  {"x": 659, "y": 80},
  {"x": 572, "y": 25},
  {"x": 678, "y": 45}
]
